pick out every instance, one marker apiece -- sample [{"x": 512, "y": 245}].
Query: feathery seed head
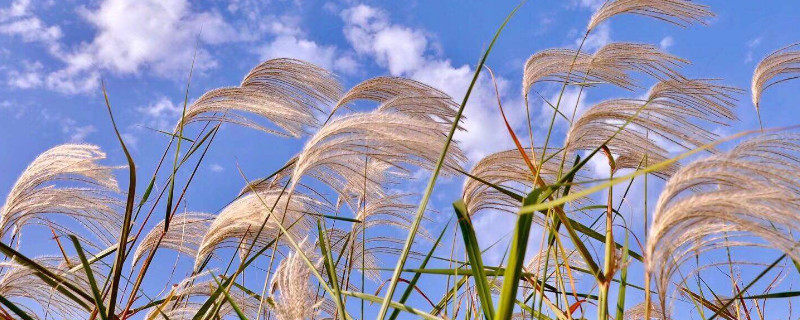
[{"x": 678, "y": 12}]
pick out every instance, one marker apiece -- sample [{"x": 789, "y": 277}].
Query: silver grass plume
[
  {"x": 286, "y": 92},
  {"x": 86, "y": 196},
  {"x": 779, "y": 66},
  {"x": 383, "y": 89},
  {"x": 506, "y": 169},
  {"x": 349, "y": 245},
  {"x": 551, "y": 265},
  {"x": 672, "y": 112},
  {"x": 394, "y": 143},
  {"x": 439, "y": 109},
  {"x": 21, "y": 282},
  {"x": 390, "y": 210},
  {"x": 610, "y": 64},
  {"x": 243, "y": 218},
  {"x": 182, "y": 306},
  {"x": 184, "y": 236},
  {"x": 745, "y": 197},
  {"x": 276, "y": 181},
  {"x": 678, "y": 12},
  {"x": 296, "y": 298},
  {"x": 637, "y": 312}
]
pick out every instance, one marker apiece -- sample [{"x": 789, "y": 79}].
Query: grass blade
[
  {"x": 98, "y": 299},
  {"x": 516, "y": 259},
  {"x": 623, "y": 278},
  {"x": 392, "y": 304},
  {"x": 13, "y": 307},
  {"x": 63, "y": 286},
  {"x": 475, "y": 260},
  {"x": 126, "y": 220},
  {"x": 435, "y": 174},
  {"x": 330, "y": 267},
  {"x": 233, "y": 304}
]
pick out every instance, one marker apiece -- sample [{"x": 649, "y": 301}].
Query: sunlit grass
[{"x": 328, "y": 227}]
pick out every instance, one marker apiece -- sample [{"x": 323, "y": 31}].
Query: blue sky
[{"x": 53, "y": 55}]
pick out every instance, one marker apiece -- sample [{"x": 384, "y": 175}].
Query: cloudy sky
[{"x": 55, "y": 54}]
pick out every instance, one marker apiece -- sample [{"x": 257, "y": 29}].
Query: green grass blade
[
  {"x": 98, "y": 299},
  {"x": 393, "y": 304},
  {"x": 623, "y": 277},
  {"x": 169, "y": 134},
  {"x": 330, "y": 267},
  {"x": 516, "y": 259},
  {"x": 97, "y": 257},
  {"x": 13, "y": 307},
  {"x": 233, "y": 304},
  {"x": 126, "y": 220},
  {"x": 775, "y": 295},
  {"x": 435, "y": 174},
  {"x": 171, "y": 193},
  {"x": 475, "y": 260},
  {"x": 63, "y": 286}
]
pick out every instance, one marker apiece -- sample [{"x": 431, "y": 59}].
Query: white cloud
[
  {"x": 293, "y": 47},
  {"x": 569, "y": 101},
  {"x": 162, "y": 115},
  {"x": 346, "y": 64},
  {"x": 30, "y": 77},
  {"x": 291, "y": 42},
  {"x": 404, "y": 52},
  {"x": 160, "y": 38},
  {"x": 590, "y": 4},
  {"x": 751, "y": 44},
  {"x": 599, "y": 37},
  {"x": 131, "y": 140},
  {"x": 159, "y": 35},
  {"x": 214, "y": 167},
  {"x": 667, "y": 42},
  {"x": 18, "y": 20},
  {"x": 75, "y": 132},
  {"x": 398, "y": 48}
]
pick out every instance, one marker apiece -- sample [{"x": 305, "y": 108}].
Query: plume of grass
[
  {"x": 295, "y": 298},
  {"x": 242, "y": 219},
  {"x": 20, "y": 281},
  {"x": 507, "y": 170},
  {"x": 440, "y": 109},
  {"x": 637, "y": 312},
  {"x": 777, "y": 67},
  {"x": 184, "y": 236},
  {"x": 391, "y": 210},
  {"x": 393, "y": 142},
  {"x": 385, "y": 89},
  {"x": 678, "y": 12},
  {"x": 612, "y": 64},
  {"x": 180, "y": 303},
  {"x": 287, "y": 92},
  {"x": 743, "y": 193},
  {"x": 673, "y": 111},
  {"x": 36, "y": 196}
]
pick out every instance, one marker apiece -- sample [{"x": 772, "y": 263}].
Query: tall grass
[{"x": 327, "y": 235}]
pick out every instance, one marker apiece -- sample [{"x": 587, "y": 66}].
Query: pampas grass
[
  {"x": 317, "y": 237},
  {"x": 779, "y": 66}
]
